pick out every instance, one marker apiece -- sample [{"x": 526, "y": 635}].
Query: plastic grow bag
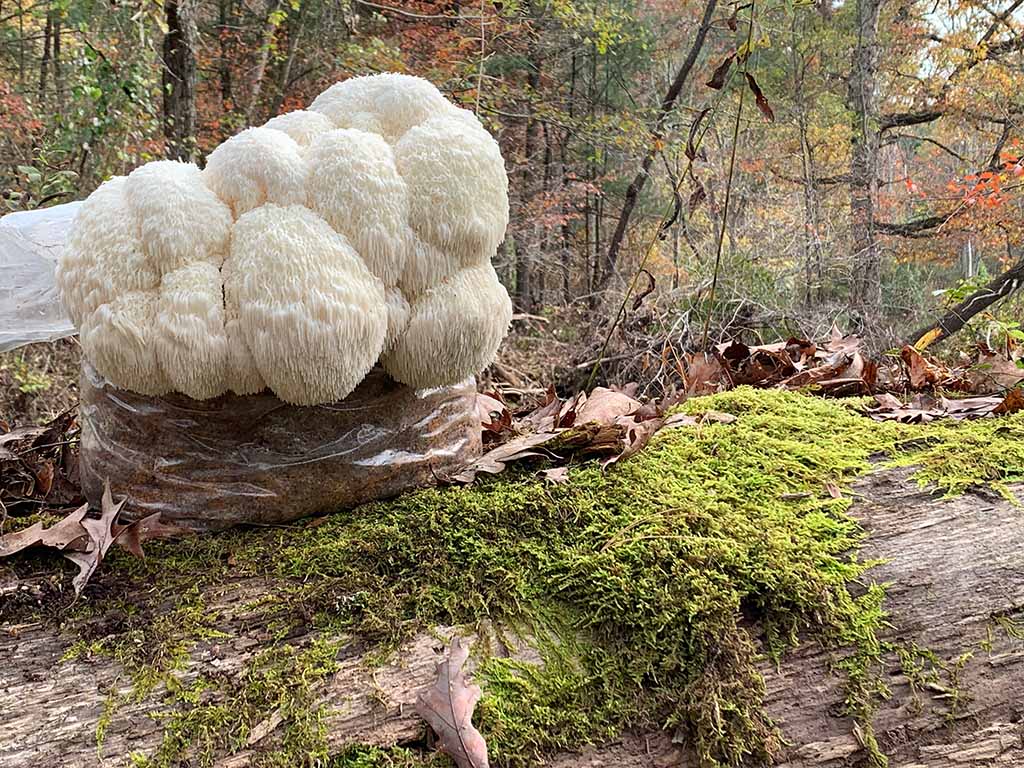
[
  {"x": 30, "y": 243},
  {"x": 254, "y": 459}
]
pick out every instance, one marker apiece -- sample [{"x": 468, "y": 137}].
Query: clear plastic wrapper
[
  {"x": 30, "y": 243},
  {"x": 254, "y": 459}
]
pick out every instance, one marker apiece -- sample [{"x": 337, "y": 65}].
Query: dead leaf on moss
[
  {"x": 921, "y": 372},
  {"x": 555, "y": 475},
  {"x": 705, "y": 375},
  {"x": 85, "y": 540},
  {"x": 101, "y": 535},
  {"x": 57, "y": 536},
  {"x": 494, "y": 460},
  {"x": 993, "y": 373},
  {"x": 448, "y": 705},
  {"x": 924, "y": 408},
  {"x": 605, "y": 406},
  {"x": 132, "y": 536},
  {"x": 1013, "y": 402}
]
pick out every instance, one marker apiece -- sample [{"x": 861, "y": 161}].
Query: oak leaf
[{"x": 448, "y": 705}]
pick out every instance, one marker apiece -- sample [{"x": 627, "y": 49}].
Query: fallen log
[{"x": 956, "y": 569}]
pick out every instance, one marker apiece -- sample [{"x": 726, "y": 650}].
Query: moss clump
[
  {"x": 959, "y": 455},
  {"x": 642, "y": 579},
  {"x": 208, "y": 718},
  {"x": 375, "y": 757},
  {"x": 652, "y": 589}
]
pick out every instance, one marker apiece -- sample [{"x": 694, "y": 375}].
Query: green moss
[
  {"x": 375, "y": 757},
  {"x": 956, "y": 456},
  {"x": 210, "y": 717},
  {"x": 652, "y": 590}
]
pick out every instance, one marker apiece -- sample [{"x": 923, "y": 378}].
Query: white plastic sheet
[{"x": 30, "y": 244}]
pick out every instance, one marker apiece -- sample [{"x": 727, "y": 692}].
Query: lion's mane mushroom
[{"x": 329, "y": 239}]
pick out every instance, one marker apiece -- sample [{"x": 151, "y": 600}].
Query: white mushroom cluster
[{"x": 307, "y": 250}]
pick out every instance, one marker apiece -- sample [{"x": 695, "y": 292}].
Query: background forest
[{"x": 758, "y": 169}]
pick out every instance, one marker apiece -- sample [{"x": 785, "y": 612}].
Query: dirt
[{"x": 38, "y": 381}]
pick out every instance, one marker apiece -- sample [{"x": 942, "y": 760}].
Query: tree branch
[
  {"x": 902, "y": 119},
  {"x": 915, "y": 227},
  {"x": 1010, "y": 45},
  {"x": 667, "y": 105},
  {"x": 957, "y": 317}
]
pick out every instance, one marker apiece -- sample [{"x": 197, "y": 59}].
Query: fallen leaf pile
[
  {"x": 39, "y": 465},
  {"x": 609, "y": 424},
  {"x": 85, "y": 539},
  {"x": 835, "y": 367},
  {"x": 448, "y": 705},
  {"x": 923, "y": 407},
  {"x": 909, "y": 387},
  {"x": 612, "y": 425}
]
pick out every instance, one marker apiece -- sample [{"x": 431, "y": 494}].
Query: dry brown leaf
[
  {"x": 994, "y": 373},
  {"x": 604, "y": 406},
  {"x": 717, "y": 80},
  {"x": 922, "y": 373},
  {"x": 838, "y": 342},
  {"x": 448, "y": 705},
  {"x": 493, "y": 413},
  {"x": 556, "y": 475},
  {"x": 888, "y": 402},
  {"x": 494, "y": 460},
  {"x": 705, "y": 375},
  {"x": 1013, "y": 402},
  {"x": 760, "y": 99},
  {"x": 101, "y": 535},
  {"x": 924, "y": 408},
  {"x": 132, "y": 536},
  {"x": 829, "y": 369},
  {"x": 58, "y": 536}
]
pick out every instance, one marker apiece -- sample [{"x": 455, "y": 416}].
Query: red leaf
[
  {"x": 762, "y": 102},
  {"x": 717, "y": 80}
]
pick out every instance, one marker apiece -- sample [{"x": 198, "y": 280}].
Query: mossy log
[{"x": 956, "y": 569}]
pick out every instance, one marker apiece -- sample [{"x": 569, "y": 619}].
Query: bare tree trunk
[
  {"x": 811, "y": 240},
  {"x": 269, "y": 28},
  {"x": 225, "y": 17},
  {"x": 179, "y": 79},
  {"x": 862, "y": 98},
  {"x": 44, "y": 63},
  {"x": 284, "y": 80},
  {"x": 563, "y": 149},
  {"x": 526, "y": 233},
  {"x": 668, "y": 103},
  {"x": 58, "y": 72}
]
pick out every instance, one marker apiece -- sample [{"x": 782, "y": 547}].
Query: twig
[{"x": 728, "y": 185}]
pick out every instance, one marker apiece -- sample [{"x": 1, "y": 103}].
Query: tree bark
[
  {"x": 636, "y": 186},
  {"x": 862, "y": 98},
  {"x": 58, "y": 71},
  {"x": 957, "y": 317},
  {"x": 269, "y": 28},
  {"x": 956, "y": 571},
  {"x": 526, "y": 234},
  {"x": 179, "y": 79},
  {"x": 285, "y": 78},
  {"x": 44, "y": 63},
  {"x": 225, "y": 18}
]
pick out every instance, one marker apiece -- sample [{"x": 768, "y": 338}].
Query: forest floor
[
  {"x": 38, "y": 381},
  {"x": 801, "y": 584}
]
